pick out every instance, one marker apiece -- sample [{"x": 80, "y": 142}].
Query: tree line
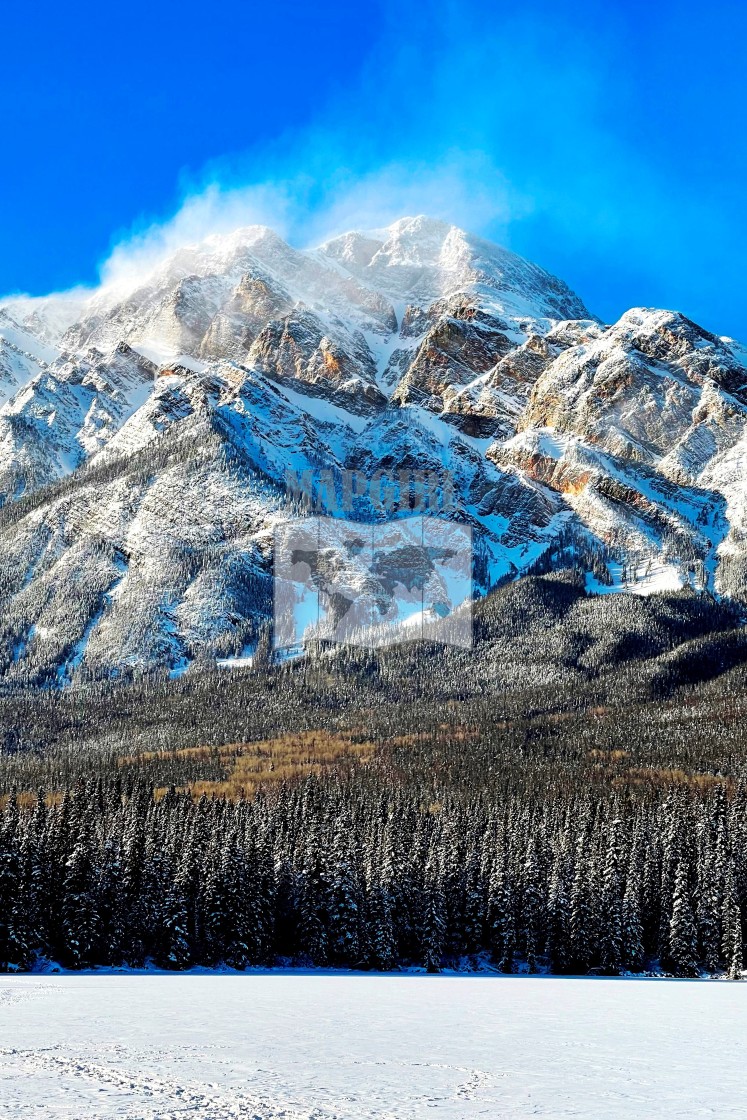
[{"x": 347, "y": 871}]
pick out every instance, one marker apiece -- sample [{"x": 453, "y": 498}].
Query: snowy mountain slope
[
  {"x": 112, "y": 573},
  {"x": 159, "y": 549},
  {"x": 66, "y": 412},
  {"x": 654, "y": 388},
  {"x": 22, "y": 355},
  {"x": 150, "y": 427},
  {"x": 637, "y": 429},
  {"x": 175, "y": 516},
  {"x": 421, "y": 260}
]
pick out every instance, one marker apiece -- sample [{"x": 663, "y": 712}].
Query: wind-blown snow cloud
[
  {"x": 463, "y": 188},
  {"x": 471, "y": 123},
  {"x": 518, "y": 125},
  {"x": 374, "y": 155}
]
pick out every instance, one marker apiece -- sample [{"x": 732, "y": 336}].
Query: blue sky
[{"x": 605, "y": 141}]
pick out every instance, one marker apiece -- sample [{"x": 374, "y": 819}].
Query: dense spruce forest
[{"x": 570, "y": 795}]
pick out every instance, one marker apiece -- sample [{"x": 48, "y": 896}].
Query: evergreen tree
[
  {"x": 611, "y": 947},
  {"x": 559, "y": 914},
  {"x": 732, "y": 926},
  {"x": 503, "y": 934},
  {"x": 632, "y": 951},
  {"x": 682, "y": 951},
  {"x": 14, "y": 931},
  {"x": 532, "y": 908},
  {"x": 582, "y": 923},
  {"x": 80, "y": 917},
  {"x": 433, "y": 924}
]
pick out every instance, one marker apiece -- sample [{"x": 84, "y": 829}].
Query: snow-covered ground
[{"x": 398, "y": 1047}]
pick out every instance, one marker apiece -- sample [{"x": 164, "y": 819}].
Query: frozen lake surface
[{"x": 299, "y": 1047}]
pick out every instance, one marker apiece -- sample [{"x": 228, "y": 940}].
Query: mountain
[{"x": 149, "y": 430}]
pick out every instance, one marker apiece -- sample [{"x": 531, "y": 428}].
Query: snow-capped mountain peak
[
  {"x": 426, "y": 259},
  {"x": 148, "y": 430}
]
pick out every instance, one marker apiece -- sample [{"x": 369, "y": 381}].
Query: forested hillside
[{"x": 570, "y": 795}]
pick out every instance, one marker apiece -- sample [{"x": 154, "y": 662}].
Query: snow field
[{"x": 345, "y": 1046}]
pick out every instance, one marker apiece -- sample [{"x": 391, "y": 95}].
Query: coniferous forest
[{"x": 570, "y": 795}]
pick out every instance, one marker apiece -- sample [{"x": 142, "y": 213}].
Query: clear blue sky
[{"x": 604, "y": 140}]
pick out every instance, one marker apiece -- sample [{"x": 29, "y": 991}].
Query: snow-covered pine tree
[
  {"x": 582, "y": 926},
  {"x": 80, "y": 916},
  {"x": 433, "y": 922},
  {"x": 558, "y": 946},
  {"x": 731, "y": 924},
  {"x": 611, "y": 941},
  {"x": 682, "y": 948},
  {"x": 632, "y": 950},
  {"x": 532, "y": 908},
  {"x": 14, "y": 926}
]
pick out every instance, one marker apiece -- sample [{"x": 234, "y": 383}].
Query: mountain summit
[{"x": 147, "y": 432}]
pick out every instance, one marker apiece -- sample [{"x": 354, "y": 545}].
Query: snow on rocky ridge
[{"x": 147, "y": 430}]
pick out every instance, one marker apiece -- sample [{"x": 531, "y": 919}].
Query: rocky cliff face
[{"x": 147, "y": 433}]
